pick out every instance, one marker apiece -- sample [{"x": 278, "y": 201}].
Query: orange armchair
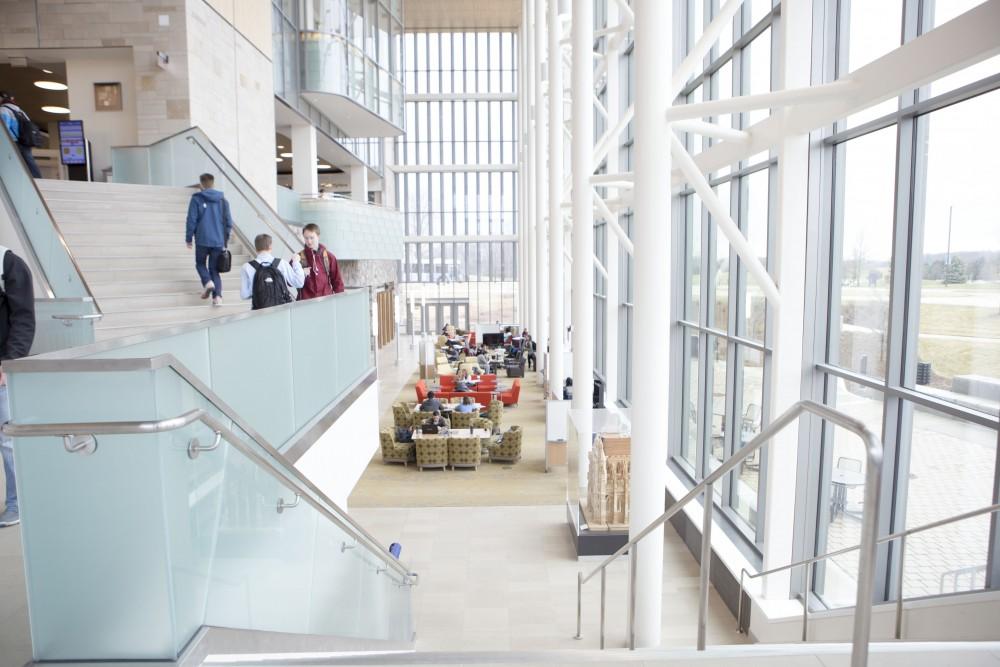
[
  {"x": 421, "y": 388},
  {"x": 510, "y": 397}
]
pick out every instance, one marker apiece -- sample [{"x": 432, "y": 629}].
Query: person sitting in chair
[
  {"x": 466, "y": 406},
  {"x": 462, "y": 382},
  {"x": 436, "y": 421}
]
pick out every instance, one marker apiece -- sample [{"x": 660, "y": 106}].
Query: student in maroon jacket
[{"x": 322, "y": 272}]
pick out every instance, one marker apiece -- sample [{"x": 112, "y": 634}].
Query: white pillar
[
  {"x": 650, "y": 428},
  {"x": 790, "y": 246},
  {"x": 540, "y": 332},
  {"x": 615, "y": 109},
  {"x": 556, "y": 326},
  {"x": 583, "y": 225},
  {"x": 389, "y": 173},
  {"x": 359, "y": 182},
  {"x": 305, "y": 180},
  {"x": 529, "y": 182}
]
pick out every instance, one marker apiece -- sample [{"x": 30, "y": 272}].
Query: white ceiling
[{"x": 461, "y": 14}]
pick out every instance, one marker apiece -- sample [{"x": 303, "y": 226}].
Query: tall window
[
  {"x": 725, "y": 348},
  {"x": 457, "y": 182},
  {"x": 913, "y": 296}
]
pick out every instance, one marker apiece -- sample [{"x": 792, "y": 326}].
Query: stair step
[
  {"x": 58, "y": 206},
  {"x": 142, "y": 302},
  {"x": 109, "y": 273},
  {"x": 179, "y": 262},
  {"x": 73, "y": 189},
  {"x": 97, "y": 247},
  {"x": 111, "y": 290},
  {"x": 123, "y": 228}
]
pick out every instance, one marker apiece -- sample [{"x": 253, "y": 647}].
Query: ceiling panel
[{"x": 461, "y": 14}]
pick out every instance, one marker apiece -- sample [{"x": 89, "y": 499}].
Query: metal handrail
[
  {"x": 260, "y": 214},
  {"x": 295, "y": 485},
  {"x": 869, "y": 528},
  {"x": 809, "y": 562}
]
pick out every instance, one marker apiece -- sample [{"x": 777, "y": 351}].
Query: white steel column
[
  {"x": 790, "y": 247},
  {"x": 651, "y": 208},
  {"x": 614, "y": 104},
  {"x": 540, "y": 332},
  {"x": 582, "y": 40},
  {"x": 305, "y": 179},
  {"x": 530, "y": 219},
  {"x": 522, "y": 180},
  {"x": 556, "y": 231},
  {"x": 359, "y": 182}
]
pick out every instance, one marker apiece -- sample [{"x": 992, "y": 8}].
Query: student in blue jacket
[{"x": 209, "y": 224}]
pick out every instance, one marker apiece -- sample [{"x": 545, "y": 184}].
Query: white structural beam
[
  {"x": 611, "y": 136},
  {"x": 614, "y": 180},
  {"x": 652, "y": 216},
  {"x": 790, "y": 264},
  {"x": 557, "y": 286},
  {"x": 600, "y": 267},
  {"x": 713, "y": 130},
  {"x": 778, "y": 98},
  {"x": 600, "y": 108},
  {"x": 305, "y": 179},
  {"x": 612, "y": 220},
  {"x": 461, "y": 97},
  {"x": 531, "y": 315},
  {"x": 965, "y": 40},
  {"x": 540, "y": 333},
  {"x": 454, "y": 168},
  {"x": 695, "y": 59},
  {"x": 582, "y": 150},
  {"x": 721, "y": 217}
]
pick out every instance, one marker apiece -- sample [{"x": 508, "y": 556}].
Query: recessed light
[
  {"x": 51, "y": 85},
  {"x": 280, "y": 146},
  {"x": 48, "y": 71},
  {"x": 278, "y": 159},
  {"x": 323, "y": 166},
  {"x": 286, "y": 154},
  {"x": 55, "y": 109}
]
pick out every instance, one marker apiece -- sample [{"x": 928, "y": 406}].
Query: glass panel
[
  {"x": 951, "y": 471},
  {"x": 717, "y": 353},
  {"x": 694, "y": 257},
  {"x": 959, "y": 341},
  {"x": 751, "y": 383},
  {"x": 866, "y": 208},
  {"x": 754, "y": 310},
  {"x": 719, "y": 318},
  {"x": 759, "y": 53},
  {"x": 841, "y": 495},
  {"x": 689, "y": 445},
  {"x": 875, "y": 30}
]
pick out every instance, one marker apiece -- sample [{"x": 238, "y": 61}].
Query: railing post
[
  {"x": 899, "y": 588},
  {"x": 805, "y": 602},
  {"x": 579, "y": 604},
  {"x": 739, "y": 603},
  {"x": 706, "y": 564},
  {"x": 632, "y": 558},
  {"x": 604, "y": 572}
]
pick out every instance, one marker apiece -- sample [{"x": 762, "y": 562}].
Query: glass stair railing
[
  {"x": 153, "y": 504},
  {"x": 65, "y": 308},
  {"x": 179, "y": 159}
]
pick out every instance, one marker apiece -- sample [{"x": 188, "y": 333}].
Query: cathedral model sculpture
[{"x": 608, "y": 483}]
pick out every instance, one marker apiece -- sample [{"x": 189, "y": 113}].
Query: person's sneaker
[
  {"x": 217, "y": 301},
  {"x": 9, "y": 518},
  {"x": 209, "y": 288}
]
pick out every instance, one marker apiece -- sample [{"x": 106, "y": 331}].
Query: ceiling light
[
  {"x": 278, "y": 159},
  {"x": 280, "y": 146},
  {"x": 286, "y": 155},
  {"x": 323, "y": 166},
  {"x": 51, "y": 85},
  {"x": 48, "y": 71},
  {"x": 55, "y": 109}
]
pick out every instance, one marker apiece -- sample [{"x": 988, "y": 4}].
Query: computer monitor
[{"x": 492, "y": 339}]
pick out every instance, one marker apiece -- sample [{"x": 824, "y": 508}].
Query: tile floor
[{"x": 504, "y": 578}]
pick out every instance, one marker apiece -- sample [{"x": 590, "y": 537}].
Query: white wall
[
  {"x": 104, "y": 129},
  {"x": 232, "y": 94},
  {"x": 337, "y": 460}
]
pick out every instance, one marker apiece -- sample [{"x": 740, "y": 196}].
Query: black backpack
[
  {"x": 28, "y": 133},
  {"x": 268, "y": 286}
]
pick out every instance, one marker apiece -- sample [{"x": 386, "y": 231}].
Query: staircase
[{"x": 128, "y": 241}]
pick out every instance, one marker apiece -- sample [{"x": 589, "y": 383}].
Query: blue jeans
[
  {"x": 208, "y": 270},
  {"x": 7, "y": 450},
  {"x": 29, "y": 160}
]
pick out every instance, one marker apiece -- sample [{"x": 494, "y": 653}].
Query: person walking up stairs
[{"x": 209, "y": 225}]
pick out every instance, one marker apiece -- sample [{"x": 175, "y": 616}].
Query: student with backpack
[
  {"x": 267, "y": 280},
  {"x": 24, "y": 133},
  {"x": 322, "y": 271}
]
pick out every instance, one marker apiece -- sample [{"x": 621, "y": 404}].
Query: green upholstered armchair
[
  {"x": 495, "y": 413},
  {"x": 402, "y": 416},
  {"x": 461, "y": 419},
  {"x": 464, "y": 452},
  {"x": 432, "y": 452},
  {"x": 395, "y": 452},
  {"x": 508, "y": 450}
]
